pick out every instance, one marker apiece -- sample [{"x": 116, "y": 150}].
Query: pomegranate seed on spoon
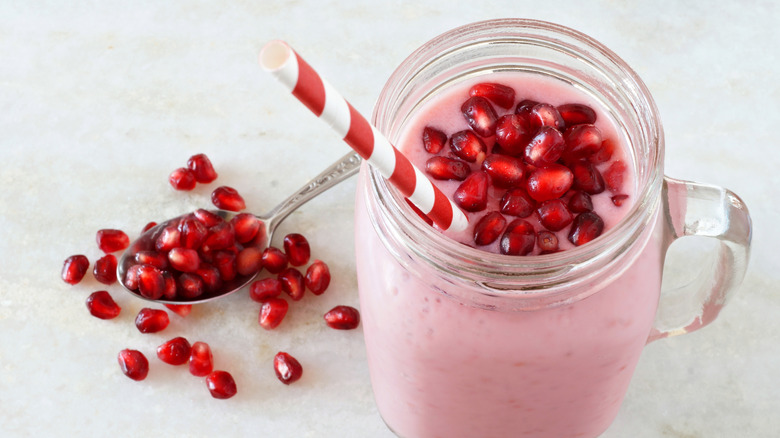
[
  {"x": 151, "y": 283},
  {"x": 184, "y": 259},
  {"x": 287, "y": 368},
  {"x": 101, "y": 305},
  {"x": 248, "y": 260},
  {"x": 189, "y": 286},
  {"x": 274, "y": 260},
  {"x": 192, "y": 233},
  {"x": 133, "y": 364},
  {"x": 154, "y": 258},
  {"x": 246, "y": 226},
  {"x": 74, "y": 268},
  {"x": 221, "y": 385}
]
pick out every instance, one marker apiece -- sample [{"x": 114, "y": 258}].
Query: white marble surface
[{"x": 101, "y": 100}]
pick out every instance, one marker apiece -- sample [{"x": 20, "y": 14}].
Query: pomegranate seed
[
  {"x": 109, "y": 240},
  {"x": 293, "y": 283},
  {"x": 201, "y": 168},
  {"x": 184, "y": 259},
  {"x": 101, "y": 305},
  {"x": 513, "y": 132},
  {"x": 287, "y": 368},
  {"x": 544, "y": 114},
  {"x": 201, "y": 359},
  {"x": 151, "y": 283},
  {"x": 547, "y": 242},
  {"x": 105, "y": 269},
  {"x": 582, "y": 141},
  {"x": 248, "y": 260},
  {"x": 586, "y": 227},
  {"x": 148, "y": 226},
  {"x": 225, "y": 262},
  {"x": 154, "y": 258},
  {"x": 580, "y": 202},
  {"x": 525, "y": 106},
  {"x": 614, "y": 175},
  {"x": 577, "y": 114},
  {"x": 487, "y": 230},
  {"x": 221, "y": 385},
  {"x": 499, "y": 94},
  {"x": 175, "y": 351},
  {"x": 180, "y": 309},
  {"x": 274, "y": 260},
  {"x": 444, "y": 168},
  {"x": 518, "y": 239},
  {"x": 265, "y": 289},
  {"x": 504, "y": 171},
  {"x": 549, "y": 182},
  {"x": 516, "y": 202},
  {"x": 587, "y": 178},
  {"x": 317, "y": 277},
  {"x": 74, "y": 268},
  {"x": 182, "y": 179},
  {"x": 221, "y": 236},
  {"x": 605, "y": 152},
  {"x": 227, "y": 198},
  {"x": 212, "y": 280},
  {"x": 261, "y": 237},
  {"x": 554, "y": 215},
  {"x": 468, "y": 146},
  {"x": 342, "y": 318},
  {"x": 151, "y": 320},
  {"x": 433, "y": 140},
  {"x": 133, "y": 364},
  {"x": 619, "y": 199},
  {"x": 480, "y": 115},
  {"x": 208, "y": 218},
  {"x": 297, "y": 249},
  {"x": 419, "y": 212},
  {"x": 169, "y": 238},
  {"x": 193, "y": 233},
  {"x": 190, "y": 286},
  {"x": 171, "y": 288},
  {"x": 131, "y": 277},
  {"x": 545, "y": 148},
  {"x": 272, "y": 312},
  {"x": 472, "y": 193},
  {"x": 245, "y": 226}
]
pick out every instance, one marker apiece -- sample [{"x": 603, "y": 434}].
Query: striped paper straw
[{"x": 325, "y": 102}]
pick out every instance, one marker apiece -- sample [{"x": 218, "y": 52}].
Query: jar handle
[{"x": 693, "y": 209}]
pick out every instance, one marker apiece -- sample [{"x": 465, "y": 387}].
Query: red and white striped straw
[{"x": 278, "y": 58}]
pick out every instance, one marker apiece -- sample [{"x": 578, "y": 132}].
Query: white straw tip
[{"x": 274, "y": 55}]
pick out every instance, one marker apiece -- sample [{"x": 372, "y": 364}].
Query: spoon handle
[{"x": 344, "y": 168}]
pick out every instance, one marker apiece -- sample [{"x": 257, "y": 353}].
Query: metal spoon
[{"x": 344, "y": 168}]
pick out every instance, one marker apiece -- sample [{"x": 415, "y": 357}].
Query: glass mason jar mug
[{"x": 467, "y": 343}]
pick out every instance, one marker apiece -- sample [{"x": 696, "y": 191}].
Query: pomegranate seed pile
[
  {"x": 199, "y": 255},
  {"x": 543, "y": 160}
]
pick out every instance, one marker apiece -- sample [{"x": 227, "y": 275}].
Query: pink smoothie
[{"x": 442, "y": 368}]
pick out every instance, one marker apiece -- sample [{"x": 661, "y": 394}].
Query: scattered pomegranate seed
[
  {"x": 180, "y": 309},
  {"x": 208, "y": 218},
  {"x": 587, "y": 178},
  {"x": 513, "y": 132},
  {"x": 504, "y": 171},
  {"x": 151, "y": 320},
  {"x": 201, "y": 168},
  {"x": 109, "y": 240},
  {"x": 444, "y": 168},
  {"x": 554, "y": 215},
  {"x": 154, "y": 258},
  {"x": 472, "y": 193},
  {"x": 580, "y": 202},
  {"x": 201, "y": 360},
  {"x": 74, "y": 268},
  {"x": 545, "y": 148},
  {"x": 586, "y": 227},
  {"x": 246, "y": 226},
  {"x": 342, "y": 318},
  {"x": 227, "y": 198},
  {"x": 184, "y": 259},
  {"x": 169, "y": 238},
  {"x": 549, "y": 182},
  {"x": 297, "y": 249},
  {"x": 614, "y": 175},
  {"x": 151, "y": 283},
  {"x": 293, "y": 283},
  {"x": 274, "y": 260},
  {"x": 582, "y": 141},
  {"x": 487, "y": 230},
  {"x": 287, "y": 368},
  {"x": 148, "y": 226},
  {"x": 265, "y": 289},
  {"x": 105, "y": 269},
  {"x": 190, "y": 286},
  {"x": 619, "y": 199},
  {"x": 544, "y": 114},
  {"x": 182, "y": 179},
  {"x": 193, "y": 233},
  {"x": 499, "y": 94},
  {"x": 175, "y": 351},
  {"x": 101, "y": 305},
  {"x": 547, "y": 242},
  {"x": 133, "y": 364},
  {"x": 577, "y": 114},
  {"x": 248, "y": 260},
  {"x": 468, "y": 146},
  {"x": 518, "y": 239},
  {"x": 317, "y": 277},
  {"x": 516, "y": 202},
  {"x": 433, "y": 140},
  {"x": 272, "y": 312},
  {"x": 480, "y": 115},
  {"x": 221, "y": 384}
]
